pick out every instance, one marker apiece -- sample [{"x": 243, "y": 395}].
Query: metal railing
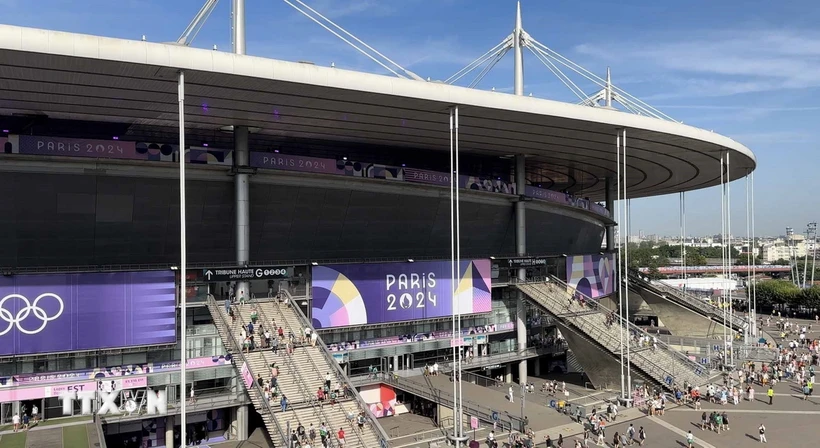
[
  {"x": 604, "y": 337},
  {"x": 705, "y": 307},
  {"x": 340, "y": 374},
  {"x": 100, "y": 434},
  {"x": 237, "y": 349},
  {"x": 636, "y": 329},
  {"x": 307, "y": 395},
  {"x": 483, "y": 413}
]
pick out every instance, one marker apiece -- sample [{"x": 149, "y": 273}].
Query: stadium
[{"x": 320, "y": 198}]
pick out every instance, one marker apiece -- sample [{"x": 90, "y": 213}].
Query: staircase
[
  {"x": 312, "y": 365},
  {"x": 686, "y": 300},
  {"x": 666, "y": 366},
  {"x": 228, "y": 332}
]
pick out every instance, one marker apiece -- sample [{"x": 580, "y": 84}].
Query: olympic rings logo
[{"x": 24, "y": 312}]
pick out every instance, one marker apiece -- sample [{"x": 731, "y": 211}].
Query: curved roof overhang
[{"x": 81, "y": 77}]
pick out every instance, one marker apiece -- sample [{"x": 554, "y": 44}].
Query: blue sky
[{"x": 749, "y": 69}]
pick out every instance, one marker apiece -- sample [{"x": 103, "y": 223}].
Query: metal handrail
[
  {"x": 481, "y": 412},
  {"x": 634, "y": 327},
  {"x": 339, "y": 371},
  {"x": 593, "y": 331},
  {"x": 100, "y": 434},
  {"x": 306, "y": 395},
  {"x": 655, "y": 365},
  {"x": 707, "y": 308},
  {"x": 235, "y": 344}
]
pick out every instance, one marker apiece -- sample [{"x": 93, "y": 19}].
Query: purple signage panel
[
  {"x": 426, "y": 177},
  {"x": 76, "y": 147},
  {"x": 366, "y": 294},
  {"x": 68, "y": 312},
  {"x": 547, "y": 195},
  {"x": 287, "y": 162},
  {"x": 592, "y": 275}
]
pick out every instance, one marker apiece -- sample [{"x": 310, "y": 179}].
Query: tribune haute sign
[{"x": 157, "y": 402}]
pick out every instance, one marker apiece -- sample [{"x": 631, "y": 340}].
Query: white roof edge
[{"x": 60, "y": 43}]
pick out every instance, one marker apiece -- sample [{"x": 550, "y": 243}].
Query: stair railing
[
  {"x": 307, "y": 395},
  {"x": 340, "y": 374},
  {"x": 237, "y": 349},
  {"x": 668, "y": 370},
  {"x": 706, "y": 307},
  {"x": 604, "y": 337},
  {"x": 637, "y": 330}
]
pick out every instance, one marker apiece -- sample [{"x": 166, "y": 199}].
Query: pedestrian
[
  {"x": 762, "y": 431},
  {"x": 770, "y": 393},
  {"x": 690, "y": 439},
  {"x": 15, "y": 420},
  {"x": 641, "y": 436}
]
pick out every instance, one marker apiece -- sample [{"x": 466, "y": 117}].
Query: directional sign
[
  {"x": 241, "y": 274},
  {"x": 525, "y": 262},
  {"x": 495, "y": 416}
]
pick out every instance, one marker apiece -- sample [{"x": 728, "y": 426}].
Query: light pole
[{"x": 183, "y": 259}]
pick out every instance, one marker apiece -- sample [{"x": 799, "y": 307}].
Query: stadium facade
[{"x": 324, "y": 188}]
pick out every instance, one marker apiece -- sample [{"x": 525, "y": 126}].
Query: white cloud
[{"x": 721, "y": 64}]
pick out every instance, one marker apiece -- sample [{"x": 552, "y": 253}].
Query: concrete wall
[
  {"x": 600, "y": 365},
  {"x": 679, "y": 320}
]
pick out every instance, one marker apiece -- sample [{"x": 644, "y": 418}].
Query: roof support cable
[
  {"x": 192, "y": 30},
  {"x": 504, "y": 46},
  {"x": 396, "y": 67},
  {"x": 487, "y": 69},
  {"x": 558, "y": 73},
  {"x": 624, "y": 95}
]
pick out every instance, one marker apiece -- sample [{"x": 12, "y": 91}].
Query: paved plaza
[{"x": 789, "y": 421}]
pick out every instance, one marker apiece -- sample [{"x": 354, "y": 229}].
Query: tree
[
  {"x": 810, "y": 297},
  {"x": 695, "y": 259},
  {"x": 743, "y": 260},
  {"x": 771, "y": 292}
]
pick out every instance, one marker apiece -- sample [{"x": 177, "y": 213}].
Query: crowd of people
[{"x": 259, "y": 335}]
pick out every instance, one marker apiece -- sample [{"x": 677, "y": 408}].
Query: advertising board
[
  {"x": 366, "y": 294},
  {"x": 592, "y": 275},
  {"x": 67, "y": 312}
]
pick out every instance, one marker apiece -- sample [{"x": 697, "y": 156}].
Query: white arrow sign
[{"x": 209, "y": 274}]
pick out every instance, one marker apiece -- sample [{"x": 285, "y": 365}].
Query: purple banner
[
  {"x": 68, "y": 312},
  {"x": 289, "y": 162},
  {"x": 592, "y": 275},
  {"x": 487, "y": 184},
  {"x": 113, "y": 372},
  {"x": 566, "y": 199},
  {"x": 161, "y": 152},
  {"x": 366, "y": 294},
  {"x": 426, "y": 177},
  {"x": 75, "y": 147},
  {"x": 198, "y": 155}
]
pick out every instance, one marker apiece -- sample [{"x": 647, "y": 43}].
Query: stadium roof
[{"x": 81, "y": 77}]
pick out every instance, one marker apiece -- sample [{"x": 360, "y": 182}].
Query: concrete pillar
[
  {"x": 242, "y": 422},
  {"x": 508, "y": 378},
  {"x": 537, "y": 366},
  {"x": 395, "y": 363},
  {"x": 170, "y": 421},
  {"x": 241, "y": 157},
  {"x": 521, "y": 249},
  {"x": 610, "y": 205}
]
